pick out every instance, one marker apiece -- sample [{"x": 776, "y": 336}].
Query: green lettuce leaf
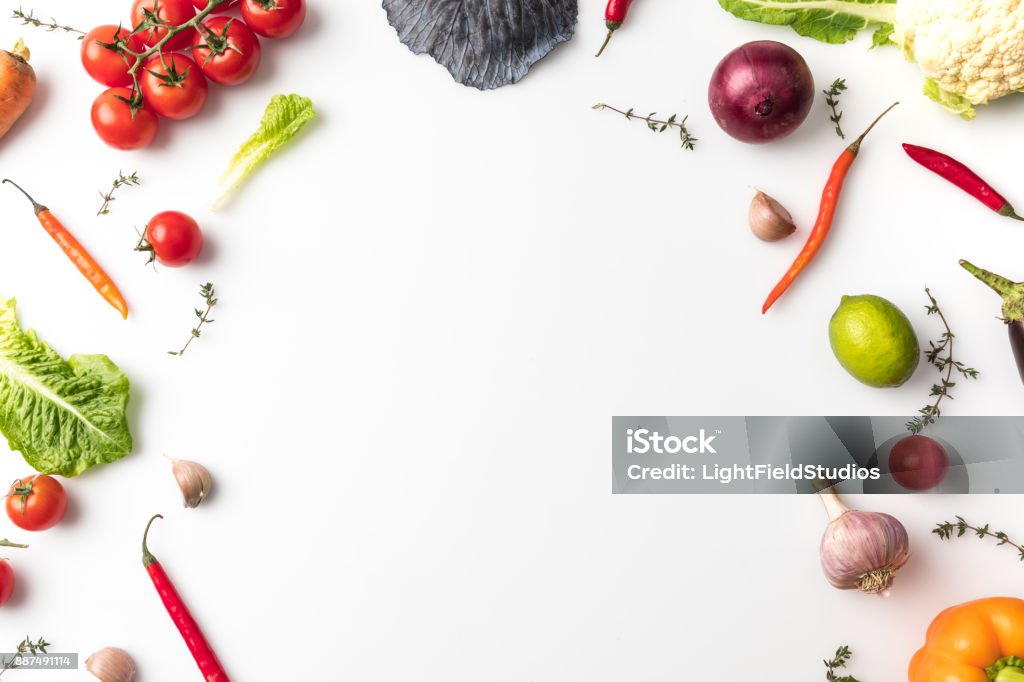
[
  {"x": 830, "y": 21},
  {"x": 284, "y": 118},
  {"x": 63, "y": 416},
  {"x": 959, "y": 105}
]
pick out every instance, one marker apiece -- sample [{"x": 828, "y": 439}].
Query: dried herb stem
[
  {"x": 29, "y": 19},
  {"x": 26, "y": 646},
  {"x": 658, "y": 125},
  {"x": 210, "y": 297},
  {"x": 947, "y": 530},
  {"x": 122, "y": 181},
  {"x": 940, "y": 355},
  {"x": 832, "y": 100},
  {"x": 838, "y": 662}
]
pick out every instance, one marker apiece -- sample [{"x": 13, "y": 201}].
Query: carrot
[
  {"x": 826, "y": 214},
  {"x": 17, "y": 85}
]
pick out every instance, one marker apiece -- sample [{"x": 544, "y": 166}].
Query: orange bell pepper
[{"x": 980, "y": 641}]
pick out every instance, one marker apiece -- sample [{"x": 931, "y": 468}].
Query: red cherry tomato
[
  {"x": 36, "y": 502},
  {"x": 227, "y": 50},
  {"x": 105, "y": 65},
  {"x": 6, "y": 581},
  {"x": 222, "y": 9},
  {"x": 114, "y": 123},
  {"x": 918, "y": 463},
  {"x": 172, "y": 12},
  {"x": 274, "y": 18},
  {"x": 173, "y": 86},
  {"x": 173, "y": 238}
]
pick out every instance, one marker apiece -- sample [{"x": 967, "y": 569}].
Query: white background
[{"x": 432, "y": 305}]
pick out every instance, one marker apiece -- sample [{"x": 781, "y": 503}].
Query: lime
[{"x": 873, "y": 340}]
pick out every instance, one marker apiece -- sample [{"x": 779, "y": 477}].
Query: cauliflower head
[{"x": 971, "y": 51}]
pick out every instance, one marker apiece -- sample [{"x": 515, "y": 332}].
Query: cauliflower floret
[{"x": 970, "y": 48}]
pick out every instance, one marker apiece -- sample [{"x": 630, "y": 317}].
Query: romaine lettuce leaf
[
  {"x": 830, "y": 21},
  {"x": 957, "y": 104},
  {"x": 63, "y": 416},
  {"x": 284, "y": 117}
]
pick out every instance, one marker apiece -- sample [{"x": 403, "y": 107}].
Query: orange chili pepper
[
  {"x": 826, "y": 214},
  {"x": 980, "y": 641},
  {"x": 74, "y": 250}
]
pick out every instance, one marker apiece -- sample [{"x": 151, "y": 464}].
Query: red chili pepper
[
  {"x": 614, "y": 15},
  {"x": 826, "y": 213},
  {"x": 187, "y": 626},
  {"x": 963, "y": 177},
  {"x": 74, "y": 250}
]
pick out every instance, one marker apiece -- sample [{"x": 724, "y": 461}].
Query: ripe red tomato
[
  {"x": 173, "y": 86},
  {"x": 6, "y": 581},
  {"x": 172, "y": 12},
  {"x": 114, "y": 123},
  {"x": 274, "y": 18},
  {"x": 230, "y": 51},
  {"x": 36, "y": 502},
  {"x": 918, "y": 463},
  {"x": 173, "y": 238},
  {"x": 222, "y": 9},
  {"x": 105, "y": 65}
]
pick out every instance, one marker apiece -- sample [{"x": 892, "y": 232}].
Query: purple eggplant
[{"x": 1013, "y": 308}]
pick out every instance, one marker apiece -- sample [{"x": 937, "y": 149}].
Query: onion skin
[{"x": 761, "y": 91}]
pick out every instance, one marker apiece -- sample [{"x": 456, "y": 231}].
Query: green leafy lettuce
[
  {"x": 284, "y": 118},
  {"x": 830, "y": 21},
  {"x": 64, "y": 416}
]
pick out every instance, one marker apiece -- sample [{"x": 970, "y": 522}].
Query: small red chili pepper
[
  {"x": 614, "y": 15},
  {"x": 963, "y": 177},
  {"x": 826, "y": 213},
  {"x": 74, "y": 250},
  {"x": 187, "y": 626}
]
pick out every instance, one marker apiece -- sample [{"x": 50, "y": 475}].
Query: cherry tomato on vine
[
  {"x": 36, "y": 502},
  {"x": 114, "y": 122},
  {"x": 6, "y": 581},
  {"x": 227, "y": 50},
  {"x": 172, "y": 12},
  {"x": 274, "y": 18},
  {"x": 222, "y": 9},
  {"x": 106, "y": 65},
  {"x": 173, "y": 86},
  {"x": 172, "y": 238}
]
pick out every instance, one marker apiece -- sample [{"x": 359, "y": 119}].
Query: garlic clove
[
  {"x": 112, "y": 665},
  {"x": 769, "y": 220},
  {"x": 193, "y": 479}
]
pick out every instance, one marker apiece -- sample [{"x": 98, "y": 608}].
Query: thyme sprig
[
  {"x": 658, "y": 125},
  {"x": 29, "y": 19},
  {"x": 947, "y": 530},
  {"x": 122, "y": 181},
  {"x": 940, "y": 355},
  {"x": 26, "y": 646},
  {"x": 839, "y": 661},
  {"x": 832, "y": 100},
  {"x": 210, "y": 296}
]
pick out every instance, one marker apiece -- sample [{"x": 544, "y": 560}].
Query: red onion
[{"x": 761, "y": 91}]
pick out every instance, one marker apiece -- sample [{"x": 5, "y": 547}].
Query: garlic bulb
[
  {"x": 193, "y": 479},
  {"x": 111, "y": 665},
  {"x": 769, "y": 220},
  {"x": 861, "y": 550}
]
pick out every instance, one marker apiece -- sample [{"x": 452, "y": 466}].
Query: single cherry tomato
[
  {"x": 173, "y": 86},
  {"x": 172, "y": 238},
  {"x": 221, "y": 9},
  {"x": 36, "y": 502},
  {"x": 105, "y": 64},
  {"x": 918, "y": 463},
  {"x": 274, "y": 18},
  {"x": 227, "y": 50},
  {"x": 6, "y": 581},
  {"x": 115, "y": 123},
  {"x": 169, "y": 12}
]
